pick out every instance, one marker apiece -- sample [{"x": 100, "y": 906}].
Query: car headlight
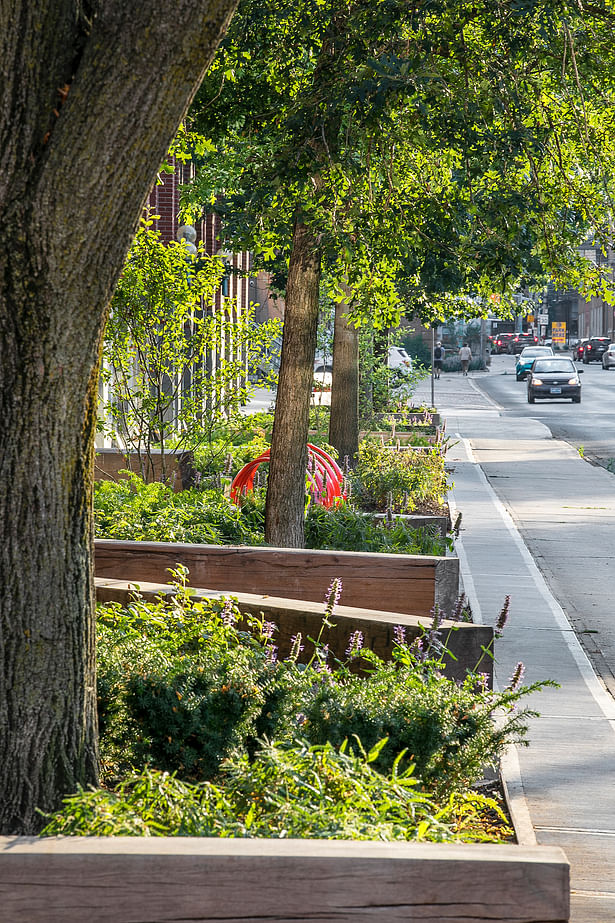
[
  {"x": 573, "y": 381},
  {"x": 536, "y": 381}
]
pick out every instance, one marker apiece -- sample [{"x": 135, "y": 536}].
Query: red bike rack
[{"x": 325, "y": 478}]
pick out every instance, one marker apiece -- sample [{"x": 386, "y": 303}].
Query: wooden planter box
[
  {"x": 411, "y": 584},
  {"x": 179, "y": 466},
  {"x": 466, "y": 642},
  {"x": 164, "y": 880}
]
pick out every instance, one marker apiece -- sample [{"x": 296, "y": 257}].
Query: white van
[{"x": 397, "y": 358}]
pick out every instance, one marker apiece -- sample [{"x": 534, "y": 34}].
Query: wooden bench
[
  {"x": 411, "y": 584},
  {"x": 160, "y": 880},
  {"x": 466, "y": 642}
]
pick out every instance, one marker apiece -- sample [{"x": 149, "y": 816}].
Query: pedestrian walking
[
  {"x": 465, "y": 355},
  {"x": 438, "y": 359}
]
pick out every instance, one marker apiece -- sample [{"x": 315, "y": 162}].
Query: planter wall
[
  {"x": 412, "y": 584},
  {"x": 159, "y": 880},
  {"x": 466, "y": 642},
  {"x": 179, "y": 467}
]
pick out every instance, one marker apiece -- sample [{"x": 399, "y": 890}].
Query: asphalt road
[{"x": 589, "y": 426}]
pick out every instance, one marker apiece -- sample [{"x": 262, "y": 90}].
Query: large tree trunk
[
  {"x": 286, "y": 484},
  {"x": 344, "y": 419},
  {"x": 87, "y": 110}
]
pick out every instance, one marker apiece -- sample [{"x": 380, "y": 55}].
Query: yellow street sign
[{"x": 558, "y": 332}]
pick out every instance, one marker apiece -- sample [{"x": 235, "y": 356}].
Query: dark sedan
[
  {"x": 519, "y": 341},
  {"x": 594, "y": 349},
  {"x": 554, "y": 378}
]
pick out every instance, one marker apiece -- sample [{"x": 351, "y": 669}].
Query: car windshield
[
  {"x": 554, "y": 365},
  {"x": 536, "y": 351}
]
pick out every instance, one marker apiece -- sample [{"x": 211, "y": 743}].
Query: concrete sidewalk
[{"x": 514, "y": 484}]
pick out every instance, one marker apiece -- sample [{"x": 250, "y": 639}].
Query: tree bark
[
  {"x": 344, "y": 419},
  {"x": 284, "y": 512},
  {"x": 88, "y": 107}
]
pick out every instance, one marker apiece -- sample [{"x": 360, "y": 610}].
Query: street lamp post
[{"x": 433, "y": 344}]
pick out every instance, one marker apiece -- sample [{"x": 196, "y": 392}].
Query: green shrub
[
  {"x": 417, "y": 348},
  {"x": 292, "y": 791},
  {"x": 184, "y": 690},
  {"x": 181, "y": 688},
  {"x": 347, "y": 529},
  {"x": 454, "y": 365},
  {"x": 446, "y": 731},
  {"x": 133, "y": 510},
  {"x": 386, "y": 478},
  {"x": 178, "y": 687},
  {"x": 220, "y": 457}
]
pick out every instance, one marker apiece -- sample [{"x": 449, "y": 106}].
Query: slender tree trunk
[
  {"x": 284, "y": 512},
  {"x": 380, "y": 392},
  {"x": 366, "y": 389},
  {"x": 87, "y": 110},
  {"x": 344, "y": 419}
]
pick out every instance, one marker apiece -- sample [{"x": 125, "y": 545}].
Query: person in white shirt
[{"x": 465, "y": 355}]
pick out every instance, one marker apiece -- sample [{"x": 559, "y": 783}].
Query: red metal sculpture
[{"x": 325, "y": 479}]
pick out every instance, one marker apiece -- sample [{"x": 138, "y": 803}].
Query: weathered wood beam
[
  {"x": 412, "y": 584},
  {"x": 466, "y": 642},
  {"x": 130, "y": 879}
]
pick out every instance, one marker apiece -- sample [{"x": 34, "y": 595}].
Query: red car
[
  {"x": 501, "y": 342},
  {"x": 580, "y": 349}
]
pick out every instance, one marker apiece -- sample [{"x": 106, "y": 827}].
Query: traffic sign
[{"x": 558, "y": 332}]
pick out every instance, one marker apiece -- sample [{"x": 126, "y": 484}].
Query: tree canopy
[
  {"x": 422, "y": 153},
  {"x": 433, "y": 148}
]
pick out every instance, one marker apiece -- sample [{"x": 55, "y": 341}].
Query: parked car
[
  {"x": 322, "y": 374},
  {"x": 555, "y": 377},
  {"x": 608, "y": 357},
  {"x": 594, "y": 349},
  {"x": 526, "y": 358},
  {"x": 502, "y": 341},
  {"x": 579, "y": 348},
  {"x": 519, "y": 341},
  {"x": 398, "y": 358}
]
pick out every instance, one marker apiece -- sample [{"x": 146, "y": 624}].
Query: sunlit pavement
[{"x": 539, "y": 524}]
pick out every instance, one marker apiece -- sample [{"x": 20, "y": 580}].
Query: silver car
[{"x": 608, "y": 357}]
